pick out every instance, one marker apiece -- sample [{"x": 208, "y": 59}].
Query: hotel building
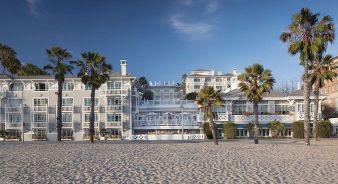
[{"x": 29, "y": 103}]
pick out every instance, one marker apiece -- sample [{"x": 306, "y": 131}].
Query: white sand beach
[{"x": 238, "y": 161}]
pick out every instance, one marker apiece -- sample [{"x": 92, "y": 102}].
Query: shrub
[
  {"x": 298, "y": 129},
  {"x": 103, "y": 132},
  {"x": 324, "y": 129},
  {"x": 191, "y": 96},
  {"x": 207, "y": 131},
  {"x": 229, "y": 130},
  {"x": 250, "y": 128},
  {"x": 276, "y": 128},
  {"x": 3, "y": 133}
]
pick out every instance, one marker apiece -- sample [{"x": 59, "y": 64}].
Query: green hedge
[
  {"x": 229, "y": 130},
  {"x": 298, "y": 129},
  {"x": 207, "y": 131},
  {"x": 324, "y": 129}
]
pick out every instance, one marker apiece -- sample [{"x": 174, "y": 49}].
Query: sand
[{"x": 239, "y": 161}]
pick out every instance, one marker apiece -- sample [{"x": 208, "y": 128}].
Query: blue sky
[{"x": 162, "y": 39}]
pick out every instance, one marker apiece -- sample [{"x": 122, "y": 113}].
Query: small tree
[
  {"x": 276, "y": 128},
  {"x": 230, "y": 130},
  {"x": 207, "y": 131},
  {"x": 324, "y": 129},
  {"x": 298, "y": 129},
  {"x": 148, "y": 95}
]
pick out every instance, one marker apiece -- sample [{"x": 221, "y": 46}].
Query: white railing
[
  {"x": 13, "y": 109},
  {"x": 140, "y": 123},
  {"x": 173, "y": 102},
  {"x": 39, "y": 124},
  {"x": 67, "y": 125},
  {"x": 114, "y": 107},
  {"x": 157, "y": 137},
  {"x": 222, "y": 117},
  {"x": 39, "y": 108},
  {"x": 283, "y": 118},
  {"x": 67, "y": 108},
  {"x": 86, "y": 125},
  {"x": 9, "y": 125},
  {"x": 87, "y": 108},
  {"x": 113, "y": 124},
  {"x": 300, "y": 116},
  {"x": 112, "y": 92}
]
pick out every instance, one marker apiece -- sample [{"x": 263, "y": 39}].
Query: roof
[
  {"x": 51, "y": 77},
  {"x": 273, "y": 94}
]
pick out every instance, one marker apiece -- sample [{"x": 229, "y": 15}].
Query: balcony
[
  {"x": 39, "y": 124},
  {"x": 13, "y": 125},
  {"x": 86, "y": 125},
  {"x": 112, "y": 92},
  {"x": 282, "y": 118},
  {"x": 67, "y": 108},
  {"x": 67, "y": 124},
  {"x": 110, "y": 108},
  {"x": 113, "y": 124},
  {"x": 142, "y": 123},
  {"x": 87, "y": 108},
  {"x": 39, "y": 108},
  {"x": 13, "y": 109}
]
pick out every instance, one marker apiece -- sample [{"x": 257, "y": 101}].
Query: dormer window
[
  {"x": 16, "y": 87},
  {"x": 41, "y": 87}
]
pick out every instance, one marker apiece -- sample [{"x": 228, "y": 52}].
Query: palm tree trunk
[
  {"x": 59, "y": 112},
  {"x": 92, "y": 116},
  {"x": 213, "y": 132},
  {"x": 255, "y": 122},
  {"x": 315, "y": 116},
  {"x": 306, "y": 93}
]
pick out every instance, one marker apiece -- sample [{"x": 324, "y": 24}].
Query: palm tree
[
  {"x": 31, "y": 70},
  {"x": 94, "y": 72},
  {"x": 208, "y": 99},
  {"x": 323, "y": 69},
  {"x": 60, "y": 66},
  {"x": 306, "y": 36},
  {"x": 255, "y": 82},
  {"x": 7, "y": 58}
]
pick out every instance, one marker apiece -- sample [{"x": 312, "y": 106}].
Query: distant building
[
  {"x": 331, "y": 90},
  {"x": 199, "y": 78}
]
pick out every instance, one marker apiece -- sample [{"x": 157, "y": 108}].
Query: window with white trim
[
  {"x": 87, "y": 117},
  {"x": 67, "y": 101},
  {"x": 68, "y": 86},
  {"x": 41, "y": 86},
  {"x": 16, "y": 87},
  {"x": 114, "y": 117},
  {"x": 40, "y": 117},
  {"x": 67, "y": 117},
  {"x": 14, "y": 118},
  {"x": 40, "y": 102},
  {"x": 87, "y": 102}
]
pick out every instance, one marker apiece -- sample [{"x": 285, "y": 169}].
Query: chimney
[{"x": 123, "y": 67}]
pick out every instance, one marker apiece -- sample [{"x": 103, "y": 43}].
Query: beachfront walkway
[{"x": 239, "y": 161}]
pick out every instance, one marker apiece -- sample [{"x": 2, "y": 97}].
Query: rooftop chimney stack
[{"x": 123, "y": 67}]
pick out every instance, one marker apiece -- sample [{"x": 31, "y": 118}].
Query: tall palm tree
[
  {"x": 59, "y": 66},
  {"x": 323, "y": 69},
  {"x": 255, "y": 82},
  {"x": 7, "y": 58},
  {"x": 208, "y": 99},
  {"x": 94, "y": 72},
  {"x": 306, "y": 35}
]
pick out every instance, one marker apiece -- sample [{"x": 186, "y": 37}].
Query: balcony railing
[
  {"x": 86, "y": 125},
  {"x": 39, "y": 124},
  {"x": 113, "y": 124},
  {"x": 140, "y": 123},
  {"x": 169, "y": 102},
  {"x": 283, "y": 118},
  {"x": 87, "y": 108},
  {"x": 39, "y": 108},
  {"x": 67, "y": 108},
  {"x": 13, "y": 109},
  {"x": 67, "y": 124},
  {"x": 112, "y": 92},
  {"x": 9, "y": 125},
  {"x": 114, "y": 108}
]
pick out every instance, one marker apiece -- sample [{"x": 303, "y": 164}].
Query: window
[
  {"x": 67, "y": 101},
  {"x": 87, "y": 102},
  {"x": 301, "y": 107},
  {"x": 218, "y": 87},
  {"x": 87, "y": 117},
  {"x": 41, "y": 86},
  {"x": 197, "y": 80},
  {"x": 113, "y": 101},
  {"x": 113, "y": 117},
  {"x": 67, "y": 117},
  {"x": 68, "y": 86},
  {"x": 88, "y": 87},
  {"x": 239, "y": 107},
  {"x": 281, "y": 107},
  {"x": 41, "y": 102},
  {"x": 40, "y": 117},
  {"x": 197, "y": 86},
  {"x": 263, "y": 107},
  {"x": 14, "y": 102},
  {"x": 14, "y": 118},
  {"x": 218, "y": 80},
  {"x": 207, "y": 80},
  {"x": 114, "y": 85},
  {"x": 16, "y": 87}
]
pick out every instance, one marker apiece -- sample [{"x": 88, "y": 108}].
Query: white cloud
[
  {"x": 33, "y": 7},
  {"x": 212, "y": 6},
  {"x": 193, "y": 30}
]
